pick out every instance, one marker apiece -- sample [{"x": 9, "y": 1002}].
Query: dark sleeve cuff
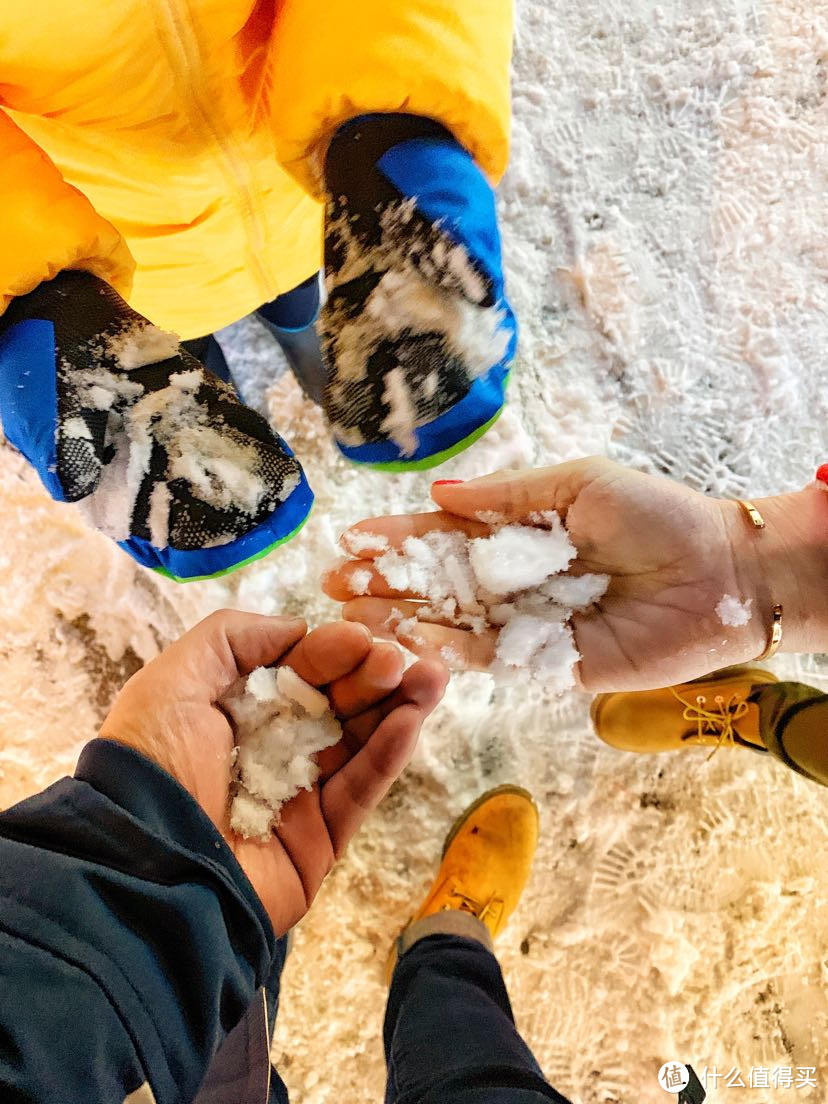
[
  {"x": 121, "y": 884},
  {"x": 152, "y": 796}
]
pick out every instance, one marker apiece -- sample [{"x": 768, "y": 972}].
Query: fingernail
[
  {"x": 822, "y": 473},
  {"x": 447, "y": 482}
]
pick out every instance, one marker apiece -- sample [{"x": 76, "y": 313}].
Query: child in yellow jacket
[{"x": 172, "y": 166}]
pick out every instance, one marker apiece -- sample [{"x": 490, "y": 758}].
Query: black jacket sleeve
[{"x": 131, "y": 941}]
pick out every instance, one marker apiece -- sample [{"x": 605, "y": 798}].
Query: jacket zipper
[{"x": 177, "y": 33}]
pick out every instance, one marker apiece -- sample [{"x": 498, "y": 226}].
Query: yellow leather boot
[
  {"x": 487, "y": 858},
  {"x": 713, "y": 712}
]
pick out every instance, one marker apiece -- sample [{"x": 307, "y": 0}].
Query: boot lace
[
  {"x": 489, "y": 909},
  {"x": 714, "y": 718}
]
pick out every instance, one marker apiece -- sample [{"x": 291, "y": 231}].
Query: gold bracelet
[
  {"x": 755, "y": 518},
  {"x": 775, "y": 638},
  {"x": 775, "y": 635}
]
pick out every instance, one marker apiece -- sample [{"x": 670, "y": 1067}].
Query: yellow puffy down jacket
[{"x": 174, "y": 147}]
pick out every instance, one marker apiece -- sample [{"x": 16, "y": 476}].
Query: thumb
[
  {"x": 515, "y": 495},
  {"x": 206, "y": 661}
]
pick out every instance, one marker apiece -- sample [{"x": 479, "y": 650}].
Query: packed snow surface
[
  {"x": 280, "y": 723},
  {"x": 666, "y": 243}
]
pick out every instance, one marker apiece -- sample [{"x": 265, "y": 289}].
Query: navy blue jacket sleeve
[{"x": 131, "y": 941}]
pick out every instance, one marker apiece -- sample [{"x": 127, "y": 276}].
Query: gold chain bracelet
[{"x": 775, "y": 636}]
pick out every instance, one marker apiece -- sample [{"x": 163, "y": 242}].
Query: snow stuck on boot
[
  {"x": 185, "y": 465},
  {"x": 511, "y": 581},
  {"x": 280, "y": 723},
  {"x": 422, "y": 337}
]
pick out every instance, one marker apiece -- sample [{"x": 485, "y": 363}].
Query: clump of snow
[
  {"x": 490, "y": 517},
  {"x": 394, "y": 619},
  {"x": 360, "y": 581},
  {"x": 518, "y": 557},
  {"x": 437, "y": 567},
  {"x": 357, "y": 541},
  {"x": 407, "y": 629},
  {"x": 280, "y": 723},
  {"x": 140, "y": 345},
  {"x": 546, "y": 647},
  {"x": 511, "y": 581},
  {"x": 522, "y": 637},
  {"x": 734, "y": 613},
  {"x": 577, "y": 592}
]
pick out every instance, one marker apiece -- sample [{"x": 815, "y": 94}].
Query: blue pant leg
[
  {"x": 450, "y": 1036},
  {"x": 210, "y": 353},
  {"x": 290, "y": 319},
  {"x": 296, "y": 309}
]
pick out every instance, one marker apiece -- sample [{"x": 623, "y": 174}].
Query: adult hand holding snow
[
  {"x": 170, "y": 713},
  {"x": 671, "y": 554}
]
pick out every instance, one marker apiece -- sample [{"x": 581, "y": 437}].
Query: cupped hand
[
  {"x": 169, "y": 712},
  {"x": 669, "y": 552}
]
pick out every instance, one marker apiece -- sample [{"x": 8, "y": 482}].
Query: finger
[
  {"x": 380, "y": 615},
  {"x": 363, "y": 781},
  {"x": 334, "y": 758},
  {"x": 302, "y": 834},
  {"x": 515, "y": 495},
  {"x": 459, "y": 649},
  {"x": 424, "y": 684},
  {"x": 367, "y": 691},
  {"x": 360, "y": 577},
  {"x": 379, "y": 674},
  {"x": 392, "y": 532},
  {"x": 330, "y": 652},
  {"x": 225, "y": 646}
]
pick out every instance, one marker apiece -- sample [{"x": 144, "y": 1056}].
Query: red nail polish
[
  {"x": 822, "y": 473},
  {"x": 447, "y": 482}
]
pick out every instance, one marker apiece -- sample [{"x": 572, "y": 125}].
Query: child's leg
[
  {"x": 290, "y": 318},
  {"x": 211, "y": 355}
]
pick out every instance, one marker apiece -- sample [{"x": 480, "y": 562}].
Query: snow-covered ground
[{"x": 667, "y": 248}]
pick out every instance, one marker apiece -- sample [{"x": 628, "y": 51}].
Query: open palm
[
  {"x": 667, "y": 550},
  {"x": 168, "y": 712}
]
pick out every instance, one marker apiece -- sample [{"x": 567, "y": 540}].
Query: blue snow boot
[
  {"x": 158, "y": 453},
  {"x": 417, "y": 332}
]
